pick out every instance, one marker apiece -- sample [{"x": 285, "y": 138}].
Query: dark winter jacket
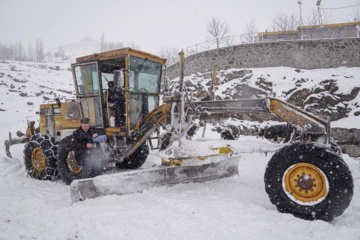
[
  {"x": 112, "y": 98},
  {"x": 81, "y": 138}
]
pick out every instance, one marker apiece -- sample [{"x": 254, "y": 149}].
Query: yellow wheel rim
[
  {"x": 305, "y": 182},
  {"x": 38, "y": 159},
  {"x": 71, "y": 162}
]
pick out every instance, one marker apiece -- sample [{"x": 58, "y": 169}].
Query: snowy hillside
[
  {"x": 85, "y": 46},
  {"x": 25, "y": 85},
  {"x": 232, "y": 208}
]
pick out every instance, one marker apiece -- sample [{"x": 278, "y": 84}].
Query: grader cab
[{"x": 304, "y": 177}]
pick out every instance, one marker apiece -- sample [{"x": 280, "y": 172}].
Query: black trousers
[
  {"x": 119, "y": 114},
  {"x": 90, "y": 160}
]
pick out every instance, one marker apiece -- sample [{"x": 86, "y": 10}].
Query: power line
[{"x": 341, "y": 7}]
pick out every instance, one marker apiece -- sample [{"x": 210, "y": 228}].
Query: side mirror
[{"x": 166, "y": 85}]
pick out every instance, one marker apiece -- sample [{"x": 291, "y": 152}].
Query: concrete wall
[
  {"x": 345, "y": 136},
  {"x": 307, "y": 54}
]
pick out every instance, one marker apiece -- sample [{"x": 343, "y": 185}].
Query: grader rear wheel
[
  {"x": 40, "y": 157},
  {"x": 306, "y": 180}
]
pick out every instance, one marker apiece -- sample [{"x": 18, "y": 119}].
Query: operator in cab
[
  {"x": 87, "y": 154},
  {"x": 117, "y": 103}
]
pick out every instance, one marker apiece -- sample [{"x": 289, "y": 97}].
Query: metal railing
[{"x": 258, "y": 37}]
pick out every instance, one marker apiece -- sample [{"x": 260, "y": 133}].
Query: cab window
[
  {"x": 87, "y": 79},
  {"x": 144, "y": 75}
]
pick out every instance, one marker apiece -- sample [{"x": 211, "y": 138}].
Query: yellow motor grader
[{"x": 306, "y": 176}]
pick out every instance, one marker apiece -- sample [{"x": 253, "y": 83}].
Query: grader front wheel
[
  {"x": 68, "y": 167},
  {"x": 306, "y": 183},
  {"x": 40, "y": 157},
  {"x": 309, "y": 181},
  {"x": 137, "y": 159}
]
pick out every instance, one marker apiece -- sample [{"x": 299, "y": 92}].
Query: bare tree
[
  {"x": 20, "y": 52},
  {"x": 251, "y": 31},
  {"x": 284, "y": 22},
  {"x": 217, "y": 30},
  {"x": 60, "y": 53},
  {"x": 355, "y": 16},
  {"x": 102, "y": 43},
  {"x": 39, "y": 50},
  {"x": 171, "y": 54},
  {"x": 48, "y": 56},
  {"x": 135, "y": 46},
  {"x": 108, "y": 46},
  {"x": 31, "y": 52},
  {"x": 313, "y": 18},
  {"x": 229, "y": 40}
]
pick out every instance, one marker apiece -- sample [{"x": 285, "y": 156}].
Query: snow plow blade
[{"x": 140, "y": 180}]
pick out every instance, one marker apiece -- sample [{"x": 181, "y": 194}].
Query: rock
[
  {"x": 237, "y": 74},
  {"x": 189, "y": 83},
  {"x": 64, "y": 91},
  {"x": 19, "y": 81}
]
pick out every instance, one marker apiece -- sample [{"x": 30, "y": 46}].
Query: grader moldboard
[{"x": 306, "y": 176}]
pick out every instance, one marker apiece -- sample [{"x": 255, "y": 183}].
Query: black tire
[
  {"x": 326, "y": 165},
  {"x": 69, "y": 169},
  {"x": 137, "y": 159},
  {"x": 40, "y": 157}
]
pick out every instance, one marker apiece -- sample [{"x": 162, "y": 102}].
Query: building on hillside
[{"x": 338, "y": 30}]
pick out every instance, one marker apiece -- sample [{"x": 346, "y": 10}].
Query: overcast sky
[{"x": 148, "y": 23}]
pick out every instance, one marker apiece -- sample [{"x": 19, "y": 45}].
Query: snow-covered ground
[{"x": 233, "y": 208}]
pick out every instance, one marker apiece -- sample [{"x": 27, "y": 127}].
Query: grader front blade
[{"x": 140, "y": 180}]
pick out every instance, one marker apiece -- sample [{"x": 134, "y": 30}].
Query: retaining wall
[{"x": 305, "y": 54}]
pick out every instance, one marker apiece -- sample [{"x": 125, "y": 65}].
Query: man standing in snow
[
  {"x": 116, "y": 102},
  {"x": 86, "y": 152}
]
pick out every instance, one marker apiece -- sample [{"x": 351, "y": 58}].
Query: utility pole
[
  {"x": 301, "y": 22},
  {"x": 181, "y": 91},
  {"x": 319, "y": 15}
]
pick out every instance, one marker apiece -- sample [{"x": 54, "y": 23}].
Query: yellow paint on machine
[
  {"x": 180, "y": 162},
  {"x": 305, "y": 182}
]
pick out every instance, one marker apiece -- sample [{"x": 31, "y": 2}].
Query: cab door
[
  {"x": 88, "y": 91},
  {"x": 144, "y": 88}
]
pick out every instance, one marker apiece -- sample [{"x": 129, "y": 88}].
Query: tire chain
[{"x": 51, "y": 172}]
